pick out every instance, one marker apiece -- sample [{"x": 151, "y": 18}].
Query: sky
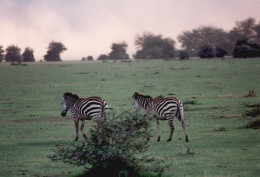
[{"x": 89, "y": 27}]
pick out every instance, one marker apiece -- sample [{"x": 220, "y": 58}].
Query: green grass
[{"x": 31, "y": 125}]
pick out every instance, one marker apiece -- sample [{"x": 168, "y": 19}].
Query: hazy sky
[{"x": 89, "y": 27}]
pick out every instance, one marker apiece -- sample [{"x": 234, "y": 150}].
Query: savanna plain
[{"x": 219, "y": 145}]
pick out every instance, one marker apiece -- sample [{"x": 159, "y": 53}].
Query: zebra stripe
[
  {"x": 83, "y": 109},
  {"x": 165, "y": 108}
]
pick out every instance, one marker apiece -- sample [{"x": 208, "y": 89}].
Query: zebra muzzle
[{"x": 63, "y": 114}]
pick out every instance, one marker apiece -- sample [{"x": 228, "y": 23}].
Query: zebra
[
  {"x": 82, "y": 109},
  {"x": 165, "y": 108}
]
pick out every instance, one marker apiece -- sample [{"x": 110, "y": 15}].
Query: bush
[
  {"x": 206, "y": 51},
  {"x": 103, "y": 57},
  {"x": 245, "y": 49},
  {"x": 112, "y": 149},
  {"x": 220, "y": 53},
  {"x": 183, "y": 54}
]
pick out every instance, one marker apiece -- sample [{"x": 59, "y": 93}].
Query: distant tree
[
  {"x": 83, "y": 59},
  {"x": 28, "y": 55},
  {"x": 90, "y": 58},
  {"x": 220, "y": 53},
  {"x": 210, "y": 35},
  {"x": 245, "y": 30},
  {"x": 13, "y": 54},
  {"x": 1, "y": 53},
  {"x": 206, "y": 51},
  {"x": 256, "y": 37},
  {"x": 103, "y": 57},
  {"x": 154, "y": 47},
  {"x": 118, "y": 51},
  {"x": 183, "y": 55},
  {"x": 245, "y": 49},
  {"x": 54, "y": 51}
]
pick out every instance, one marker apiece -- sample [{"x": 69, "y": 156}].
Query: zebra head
[
  {"x": 141, "y": 101},
  {"x": 64, "y": 107},
  {"x": 67, "y": 102}
]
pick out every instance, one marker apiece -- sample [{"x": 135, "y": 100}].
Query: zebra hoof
[
  {"x": 158, "y": 139},
  {"x": 168, "y": 140},
  {"x": 76, "y": 139},
  {"x": 187, "y": 140},
  {"x": 147, "y": 139}
]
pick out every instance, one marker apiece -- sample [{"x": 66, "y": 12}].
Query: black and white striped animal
[
  {"x": 82, "y": 109},
  {"x": 165, "y": 108}
]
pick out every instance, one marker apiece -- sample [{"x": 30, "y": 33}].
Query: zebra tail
[
  {"x": 105, "y": 106},
  {"x": 180, "y": 114}
]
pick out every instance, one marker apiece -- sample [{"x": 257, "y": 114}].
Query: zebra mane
[
  {"x": 136, "y": 94},
  {"x": 71, "y": 95}
]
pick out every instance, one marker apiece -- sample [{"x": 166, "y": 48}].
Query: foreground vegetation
[{"x": 215, "y": 91}]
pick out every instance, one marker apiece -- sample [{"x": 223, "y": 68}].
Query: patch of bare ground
[
  {"x": 227, "y": 96},
  {"x": 230, "y": 116},
  {"x": 178, "y": 69}
]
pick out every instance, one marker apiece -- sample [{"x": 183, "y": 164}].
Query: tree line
[{"x": 205, "y": 41}]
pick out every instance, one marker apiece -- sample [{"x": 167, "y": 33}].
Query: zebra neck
[
  {"x": 71, "y": 103},
  {"x": 149, "y": 106}
]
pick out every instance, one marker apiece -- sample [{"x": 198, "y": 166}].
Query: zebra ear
[
  {"x": 135, "y": 95},
  {"x": 67, "y": 94}
]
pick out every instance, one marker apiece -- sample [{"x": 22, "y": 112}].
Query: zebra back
[
  {"x": 168, "y": 106},
  {"x": 90, "y": 107}
]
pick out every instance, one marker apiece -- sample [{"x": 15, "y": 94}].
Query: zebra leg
[
  {"x": 184, "y": 129},
  {"x": 158, "y": 129},
  {"x": 76, "y": 121},
  {"x": 170, "y": 122},
  {"x": 82, "y": 128}
]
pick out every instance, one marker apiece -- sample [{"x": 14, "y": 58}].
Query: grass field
[{"x": 31, "y": 125}]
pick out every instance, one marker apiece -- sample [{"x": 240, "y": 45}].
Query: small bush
[
  {"x": 206, "y": 51},
  {"x": 253, "y": 113},
  {"x": 192, "y": 102},
  {"x": 251, "y": 93},
  {"x": 254, "y": 124},
  {"x": 191, "y": 151},
  {"x": 220, "y": 129},
  {"x": 112, "y": 149},
  {"x": 220, "y": 53},
  {"x": 183, "y": 55}
]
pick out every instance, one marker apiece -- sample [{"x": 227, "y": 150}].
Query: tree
[
  {"x": 118, "y": 51},
  {"x": 210, "y": 35},
  {"x": 54, "y": 51},
  {"x": 1, "y": 53},
  {"x": 245, "y": 30},
  {"x": 90, "y": 58},
  {"x": 103, "y": 57},
  {"x": 13, "y": 54},
  {"x": 154, "y": 47},
  {"x": 206, "y": 51},
  {"x": 28, "y": 55}
]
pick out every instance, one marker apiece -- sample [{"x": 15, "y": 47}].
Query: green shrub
[
  {"x": 206, "y": 51},
  {"x": 113, "y": 149},
  {"x": 183, "y": 54}
]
